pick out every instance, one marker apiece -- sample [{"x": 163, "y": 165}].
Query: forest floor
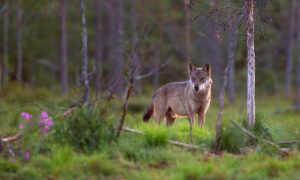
[{"x": 147, "y": 156}]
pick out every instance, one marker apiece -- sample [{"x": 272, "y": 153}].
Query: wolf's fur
[{"x": 180, "y": 99}]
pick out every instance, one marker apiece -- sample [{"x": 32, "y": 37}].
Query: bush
[{"x": 87, "y": 129}]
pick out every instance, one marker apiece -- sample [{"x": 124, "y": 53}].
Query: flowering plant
[{"x": 38, "y": 126}]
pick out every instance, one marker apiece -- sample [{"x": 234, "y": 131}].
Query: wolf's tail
[{"x": 148, "y": 113}]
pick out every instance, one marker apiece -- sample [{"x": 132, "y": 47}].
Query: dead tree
[
  {"x": 289, "y": 49},
  {"x": 134, "y": 40},
  {"x": 99, "y": 46},
  {"x": 84, "y": 54},
  {"x": 187, "y": 31},
  {"x": 19, "y": 67},
  {"x": 250, "y": 64},
  {"x": 118, "y": 34},
  {"x": 4, "y": 58},
  {"x": 63, "y": 47}
]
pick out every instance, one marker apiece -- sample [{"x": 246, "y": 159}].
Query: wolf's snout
[{"x": 196, "y": 88}]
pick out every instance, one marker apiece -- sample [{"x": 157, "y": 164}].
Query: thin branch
[
  {"x": 153, "y": 71},
  {"x": 250, "y": 134}
]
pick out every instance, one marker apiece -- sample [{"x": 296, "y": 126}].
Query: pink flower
[
  {"x": 21, "y": 126},
  {"x": 26, "y": 116},
  {"x": 44, "y": 115},
  {"x": 26, "y": 155}
]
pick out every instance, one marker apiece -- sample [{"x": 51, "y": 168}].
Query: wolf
[{"x": 183, "y": 99}]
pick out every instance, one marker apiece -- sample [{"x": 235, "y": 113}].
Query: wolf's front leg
[{"x": 201, "y": 119}]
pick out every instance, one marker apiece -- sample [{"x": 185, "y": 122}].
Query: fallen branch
[
  {"x": 176, "y": 143},
  {"x": 253, "y": 136}
]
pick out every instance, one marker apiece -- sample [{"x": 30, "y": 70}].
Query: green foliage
[
  {"x": 86, "y": 130},
  {"x": 232, "y": 139},
  {"x": 155, "y": 136},
  {"x": 260, "y": 128}
]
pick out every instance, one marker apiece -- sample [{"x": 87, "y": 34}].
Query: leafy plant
[{"x": 88, "y": 129}]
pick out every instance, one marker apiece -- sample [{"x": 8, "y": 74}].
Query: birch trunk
[
  {"x": 289, "y": 50},
  {"x": 250, "y": 65},
  {"x": 63, "y": 48},
  {"x": 84, "y": 54},
  {"x": 99, "y": 47},
  {"x": 19, "y": 68}
]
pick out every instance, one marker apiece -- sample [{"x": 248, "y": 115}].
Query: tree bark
[
  {"x": 250, "y": 65},
  {"x": 5, "y": 45},
  {"x": 63, "y": 47},
  {"x": 187, "y": 31},
  {"x": 19, "y": 68},
  {"x": 116, "y": 71},
  {"x": 289, "y": 49},
  {"x": 99, "y": 47},
  {"x": 134, "y": 41},
  {"x": 84, "y": 54},
  {"x": 297, "y": 104}
]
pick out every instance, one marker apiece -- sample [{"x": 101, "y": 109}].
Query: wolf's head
[{"x": 200, "y": 77}]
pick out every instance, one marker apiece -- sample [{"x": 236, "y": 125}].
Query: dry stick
[
  {"x": 176, "y": 143},
  {"x": 125, "y": 105},
  {"x": 191, "y": 120}
]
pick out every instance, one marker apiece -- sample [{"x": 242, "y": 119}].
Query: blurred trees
[
  {"x": 63, "y": 53},
  {"x": 142, "y": 34}
]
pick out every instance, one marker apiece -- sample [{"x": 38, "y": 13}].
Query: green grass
[{"x": 149, "y": 156}]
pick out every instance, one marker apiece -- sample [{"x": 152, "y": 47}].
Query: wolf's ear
[
  {"x": 207, "y": 69},
  {"x": 191, "y": 68}
]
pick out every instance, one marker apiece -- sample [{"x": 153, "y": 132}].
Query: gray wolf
[{"x": 183, "y": 99}]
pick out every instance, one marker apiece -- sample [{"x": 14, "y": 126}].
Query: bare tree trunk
[
  {"x": 118, "y": 42},
  {"x": 187, "y": 29},
  {"x": 297, "y": 104},
  {"x": 134, "y": 41},
  {"x": 63, "y": 47},
  {"x": 99, "y": 47},
  {"x": 84, "y": 53},
  {"x": 227, "y": 71},
  {"x": 289, "y": 49},
  {"x": 19, "y": 69},
  {"x": 5, "y": 45},
  {"x": 250, "y": 65}
]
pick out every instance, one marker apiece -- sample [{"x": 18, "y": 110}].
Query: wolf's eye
[
  {"x": 202, "y": 79},
  {"x": 193, "y": 79}
]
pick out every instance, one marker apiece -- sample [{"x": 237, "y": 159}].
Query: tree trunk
[
  {"x": 5, "y": 45},
  {"x": 19, "y": 69},
  {"x": 99, "y": 47},
  {"x": 84, "y": 54},
  {"x": 297, "y": 104},
  {"x": 187, "y": 29},
  {"x": 134, "y": 41},
  {"x": 118, "y": 43},
  {"x": 63, "y": 48},
  {"x": 250, "y": 65},
  {"x": 289, "y": 50},
  {"x": 226, "y": 76}
]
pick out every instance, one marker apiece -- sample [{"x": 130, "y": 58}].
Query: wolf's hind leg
[
  {"x": 158, "y": 116},
  {"x": 169, "y": 119}
]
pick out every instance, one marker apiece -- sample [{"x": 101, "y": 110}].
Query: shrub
[{"x": 87, "y": 129}]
